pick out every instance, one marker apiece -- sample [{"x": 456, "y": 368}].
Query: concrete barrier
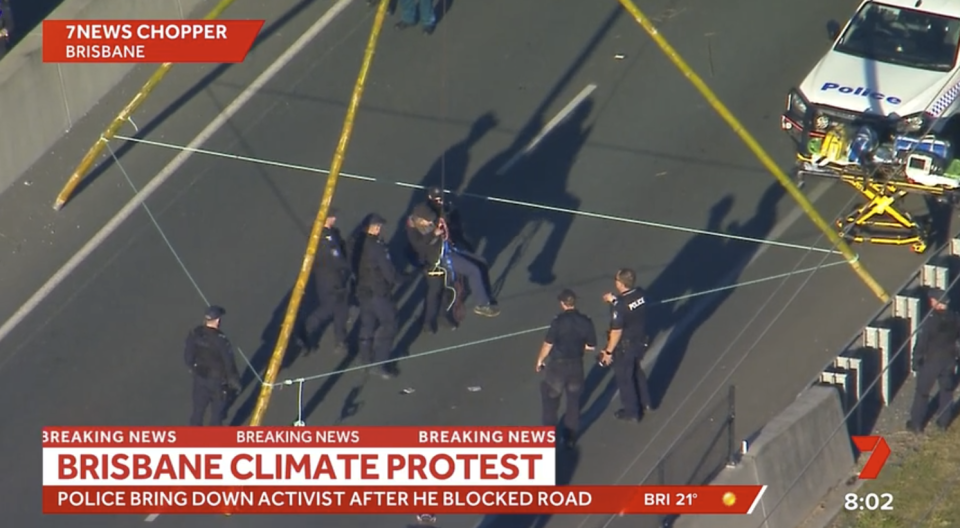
[
  {"x": 40, "y": 102},
  {"x": 779, "y": 454}
]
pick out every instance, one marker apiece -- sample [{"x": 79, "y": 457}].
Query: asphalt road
[{"x": 104, "y": 348}]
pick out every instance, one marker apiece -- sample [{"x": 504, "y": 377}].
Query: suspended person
[
  {"x": 935, "y": 361},
  {"x": 444, "y": 289},
  {"x": 444, "y": 208},
  {"x": 209, "y": 357},
  {"x": 626, "y": 345},
  {"x": 570, "y": 335},
  {"x": 331, "y": 278},
  {"x": 376, "y": 278},
  {"x": 429, "y": 237}
]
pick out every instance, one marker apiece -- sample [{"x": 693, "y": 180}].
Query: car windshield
[{"x": 906, "y": 37}]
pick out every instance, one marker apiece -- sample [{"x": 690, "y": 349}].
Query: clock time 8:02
[{"x": 869, "y": 502}]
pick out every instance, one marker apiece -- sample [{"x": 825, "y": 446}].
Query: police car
[{"x": 885, "y": 97}]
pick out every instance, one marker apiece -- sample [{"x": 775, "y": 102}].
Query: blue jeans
[
  {"x": 473, "y": 277},
  {"x": 408, "y": 12}
]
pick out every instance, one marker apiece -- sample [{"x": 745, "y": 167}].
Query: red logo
[{"x": 879, "y": 450}]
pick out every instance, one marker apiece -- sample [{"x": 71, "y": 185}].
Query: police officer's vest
[{"x": 208, "y": 362}]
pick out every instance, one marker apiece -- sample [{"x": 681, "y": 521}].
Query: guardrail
[{"x": 871, "y": 351}]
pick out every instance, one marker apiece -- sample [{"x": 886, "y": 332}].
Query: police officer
[
  {"x": 935, "y": 360},
  {"x": 428, "y": 236},
  {"x": 209, "y": 356},
  {"x": 376, "y": 278},
  {"x": 444, "y": 208},
  {"x": 626, "y": 344},
  {"x": 331, "y": 277},
  {"x": 561, "y": 360}
]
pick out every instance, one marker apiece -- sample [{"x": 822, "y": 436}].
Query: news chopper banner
[
  {"x": 148, "y": 41},
  {"x": 339, "y": 470}
]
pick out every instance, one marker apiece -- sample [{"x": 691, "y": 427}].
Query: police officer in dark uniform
[
  {"x": 376, "y": 278},
  {"x": 626, "y": 344},
  {"x": 209, "y": 356},
  {"x": 443, "y": 207},
  {"x": 561, "y": 360},
  {"x": 935, "y": 360},
  {"x": 331, "y": 277}
]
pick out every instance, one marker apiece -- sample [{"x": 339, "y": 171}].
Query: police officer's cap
[
  {"x": 434, "y": 192},
  {"x": 425, "y": 212},
  {"x": 214, "y": 312},
  {"x": 376, "y": 219},
  {"x": 939, "y": 295}
]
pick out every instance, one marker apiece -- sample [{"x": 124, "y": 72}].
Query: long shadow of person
[
  {"x": 539, "y": 178},
  {"x": 449, "y": 171},
  {"x": 728, "y": 258},
  {"x": 261, "y": 357},
  {"x": 687, "y": 275}
]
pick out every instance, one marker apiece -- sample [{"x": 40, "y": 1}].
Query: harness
[{"x": 443, "y": 267}]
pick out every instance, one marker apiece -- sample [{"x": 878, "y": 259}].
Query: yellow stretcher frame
[{"x": 878, "y": 220}]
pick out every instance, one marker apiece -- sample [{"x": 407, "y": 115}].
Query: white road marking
[
  {"x": 543, "y": 207},
  {"x": 557, "y": 119},
  {"x": 170, "y": 169},
  {"x": 285, "y": 58}
]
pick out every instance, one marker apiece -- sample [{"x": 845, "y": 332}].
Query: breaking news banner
[
  {"x": 148, "y": 41},
  {"x": 339, "y": 470}
]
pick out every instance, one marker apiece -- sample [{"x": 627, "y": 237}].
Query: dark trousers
[
  {"x": 631, "y": 379},
  {"x": 439, "y": 298},
  {"x": 208, "y": 393},
  {"x": 378, "y": 328},
  {"x": 409, "y": 11},
  {"x": 470, "y": 272},
  {"x": 333, "y": 305},
  {"x": 562, "y": 376},
  {"x": 941, "y": 372}
]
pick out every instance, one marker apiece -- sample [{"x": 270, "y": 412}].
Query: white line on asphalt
[
  {"x": 650, "y": 358},
  {"x": 543, "y": 207},
  {"x": 557, "y": 119},
  {"x": 285, "y": 58}
]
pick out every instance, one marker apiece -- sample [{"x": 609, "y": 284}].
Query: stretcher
[{"x": 881, "y": 218}]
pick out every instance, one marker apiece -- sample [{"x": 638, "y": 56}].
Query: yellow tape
[
  {"x": 757, "y": 150},
  {"x": 87, "y": 162},
  {"x": 289, "y": 320}
]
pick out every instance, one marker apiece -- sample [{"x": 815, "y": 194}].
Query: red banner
[
  {"x": 148, "y": 41},
  {"x": 298, "y": 437},
  {"x": 625, "y": 500}
]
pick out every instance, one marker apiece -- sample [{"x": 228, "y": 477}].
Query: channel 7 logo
[{"x": 879, "y": 453}]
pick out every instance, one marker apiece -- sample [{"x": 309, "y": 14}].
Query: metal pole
[
  {"x": 296, "y": 295},
  {"x": 731, "y": 425},
  {"x": 765, "y": 159},
  {"x": 87, "y": 162}
]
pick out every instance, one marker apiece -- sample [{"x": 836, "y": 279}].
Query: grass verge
[{"x": 923, "y": 476}]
